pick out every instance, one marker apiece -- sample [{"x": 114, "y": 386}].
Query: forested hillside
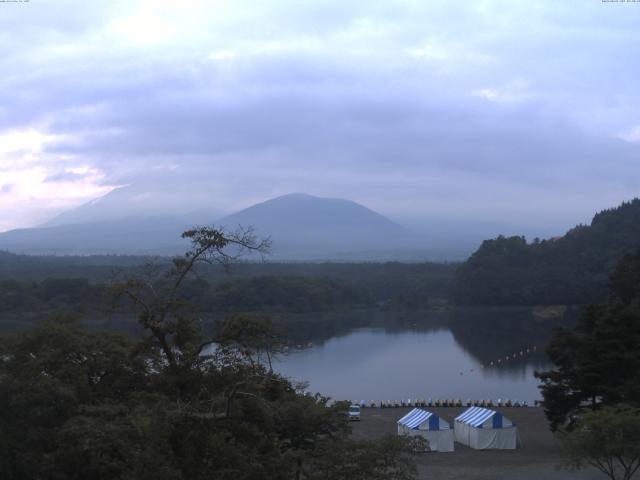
[
  {"x": 597, "y": 361},
  {"x": 573, "y": 269}
]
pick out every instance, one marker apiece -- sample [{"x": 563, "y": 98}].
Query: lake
[
  {"x": 432, "y": 354},
  {"x": 443, "y": 353}
]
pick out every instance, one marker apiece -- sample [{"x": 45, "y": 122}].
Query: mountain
[
  {"x": 302, "y": 227},
  {"x": 141, "y": 201},
  {"x": 143, "y": 236},
  {"x": 572, "y": 269},
  {"x": 134, "y": 219}
]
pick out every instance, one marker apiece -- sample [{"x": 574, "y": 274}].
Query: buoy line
[{"x": 503, "y": 360}]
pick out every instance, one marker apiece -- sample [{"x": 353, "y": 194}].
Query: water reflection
[
  {"x": 317, "y": 328},
  {"x": 496, "y": 334},
  {"x": 388, "y": 355},
  {"x": 439, "y": 353}
]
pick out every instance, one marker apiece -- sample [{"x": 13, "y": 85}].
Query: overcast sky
[{"x": 519, "y": 111}]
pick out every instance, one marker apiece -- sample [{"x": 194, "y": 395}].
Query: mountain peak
[
  {"x": 307, "y": 226},
  {"x": 301, "y": 196},
  {"x": 138, "y": 201},
  {"x": 311, "y": 213},
  {"x": 301, "y": 226},
  {"x": 295, "y": 195}
]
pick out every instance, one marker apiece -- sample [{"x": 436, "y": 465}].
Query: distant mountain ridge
[
  {"x": 131, "y": 235},
  {"x": 573, "y": 269},
  {"x": 302, "y": 227},
  {"x": 305, "y": 226},
  {"x": 138, "y": 201}
]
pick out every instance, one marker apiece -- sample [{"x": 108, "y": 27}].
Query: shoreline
[{"x": 537, "y": 457}]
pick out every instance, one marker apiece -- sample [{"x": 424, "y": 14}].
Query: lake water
[{"x": 438, "y": 355}]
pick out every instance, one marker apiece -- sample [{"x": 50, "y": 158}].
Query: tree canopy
[
  {"x": 175, "y": 404},
  {"x": 607, "y": 439},
  {"x": 598, "y": 360},
  {"x": 572, "y": 269}
]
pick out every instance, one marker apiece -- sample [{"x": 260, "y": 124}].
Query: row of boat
[{"x": 440, "y": 403}]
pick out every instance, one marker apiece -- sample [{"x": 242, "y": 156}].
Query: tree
[
  {"x": 607, "y": 439},
  {"x": 598, "y": 360},
  {"x": 50, "y": 375},
  {"x": 570, "y": 270},
  {"x": 176, "y": 404},
  {"x": 254, "y": 337},
  {"x": 390, "y": 458},
  {"x": 172, "y": 322}
]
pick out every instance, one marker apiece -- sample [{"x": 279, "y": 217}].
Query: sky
[{"x": 522, "y": 112}]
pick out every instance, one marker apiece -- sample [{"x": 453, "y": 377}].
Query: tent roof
[
  {"x": 415, "y": 418},
  {"x": 475, "y": 416}
]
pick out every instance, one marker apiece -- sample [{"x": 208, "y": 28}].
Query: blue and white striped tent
[
  {"x": 482, "y": 429},
  {"x": 435, "y": 430}
]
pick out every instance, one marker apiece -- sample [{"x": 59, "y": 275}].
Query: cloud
[
  {"x": 222, "y": 55},
  {"x": 515, "y": 91},
  {"x": 632, "y": 135},
  {"x": 25, "y": 143},
  {"x": 489, "y": 106},
  {"x": 67, "y": 176}
]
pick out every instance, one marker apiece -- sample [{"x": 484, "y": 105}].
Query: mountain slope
[
  {"x": 144, "y": 236},
  {"x": 302, "y": 227},
  {"x": 306, "y": 227},
  {"x": 573, "y": 269},
  {"x": 140, "y": 201},
  {"x": 134, "y": 219}
]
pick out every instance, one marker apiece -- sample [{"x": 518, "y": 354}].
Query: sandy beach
[{"x": 537, "y": 457}]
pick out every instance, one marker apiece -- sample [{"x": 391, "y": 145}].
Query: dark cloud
[{"x": 405, "y": 107}]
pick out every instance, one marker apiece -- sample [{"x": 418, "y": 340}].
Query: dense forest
[
  {"x": 597, "y": 360},
  {"x": 33, "y": 287},
  {"x": 383, "y": 280},
  {"x": 573, "y": 269},
  {"x": 264, "y": 293}
]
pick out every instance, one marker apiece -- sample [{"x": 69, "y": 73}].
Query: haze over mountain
[
  {"x": 143, "y": 200},
  {"x": 302, "y": 227},
  {"x": 134, "y": 219},
  {"x": 307, "y": 227}
]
